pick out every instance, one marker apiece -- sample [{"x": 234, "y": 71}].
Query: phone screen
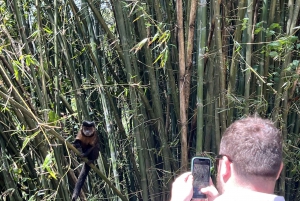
[{"x": 201, "y": 174}]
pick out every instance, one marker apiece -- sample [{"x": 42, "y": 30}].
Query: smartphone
[{"x": 201, "y": 173}]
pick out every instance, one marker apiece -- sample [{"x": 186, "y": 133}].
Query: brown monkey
[{"x": 87, "y": 140}]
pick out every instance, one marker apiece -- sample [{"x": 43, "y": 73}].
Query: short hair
[{"x": 255, "y": 147}]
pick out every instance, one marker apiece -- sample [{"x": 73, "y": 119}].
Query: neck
[{"x": 257, "y": 184}]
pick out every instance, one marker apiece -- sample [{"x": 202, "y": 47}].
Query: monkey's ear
[{"x": 88, "y": 123}]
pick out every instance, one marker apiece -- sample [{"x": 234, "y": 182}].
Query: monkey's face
[{"x": 88, "y": 131}]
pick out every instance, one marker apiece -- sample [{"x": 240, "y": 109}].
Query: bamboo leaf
[
  {"x": 16, "y": 69},
  {"x": 270, "y": 33},
  {"x": 35, "y": 33},
  {"x": 139, "y": 46},
  {"x": 154, "y": 38},
  {"x": 258, "y": 27},
  {"x": 165, "y": 58},
  {"x": 138, "y": 18},
  {"x": 2, "y": 47},
  {"x": 159, "y": 56},
  {"x": 27, "y": 140},
  {"x": 274, "y": 26},
  {"x": 273, "y": 54},
  {"x": 244, "y": 24},
  {"x": 274, "y": 45},
  {"x": 164, "y": 37},
  {"x": 53, "y": 117},
  {"x": 47, "y": 164},
  {"x": 48, "y": 30}
]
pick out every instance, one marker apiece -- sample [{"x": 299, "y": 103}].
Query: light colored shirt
[{"x": 242, "y": 195}]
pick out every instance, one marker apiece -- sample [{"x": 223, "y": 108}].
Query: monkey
[{"x": 87, "y": 140}]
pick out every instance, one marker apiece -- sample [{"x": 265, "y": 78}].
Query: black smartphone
[{"x": 201, "y": 173}]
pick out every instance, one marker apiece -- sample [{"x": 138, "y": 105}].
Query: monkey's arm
[
  {"x": 87, "y": 152},
  {"x": 76, "y": 143}
]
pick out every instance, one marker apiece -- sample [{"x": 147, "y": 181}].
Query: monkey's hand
[
  {"x": 90, "y": 162},
  {"x": 83, "y": 155},
  {"x": 76, "y": 144}
]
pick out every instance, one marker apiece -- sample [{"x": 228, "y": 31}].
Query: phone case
[{"x": 200, "y": 168}]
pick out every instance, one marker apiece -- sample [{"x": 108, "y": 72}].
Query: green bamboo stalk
[
  {"x": 234, "y": 63},
  {"x": 270, "y": 20},
  {"x": 209, "y": 102},
  {"x": 290, "y": 17},
  {"x": 296, "y": 7},
  {"x": 56, "y": 60},
  {"x": 248, "y": 55},
  {"x": 9, "y": 182},
  {"x": 262, "y": 39},
  {"x": 201, "y": 50},
  {"x": 44, "y": 101},
  {"x": 220, "y": 64},
  {"x": 217, "y": 125}
]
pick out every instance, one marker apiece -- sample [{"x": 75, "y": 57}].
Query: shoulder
[
  {"x": 249, "y": 197},
  {"x": 279, "y": 198}
]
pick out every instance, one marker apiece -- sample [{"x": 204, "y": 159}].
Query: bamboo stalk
[
  {"x": 234, "y": 64},
  {"x": 182, "y": 83},
  {"x": 248, "y": 55},
  {"x": 201, "y": 50},
  {"x": 220, "y": 64}
]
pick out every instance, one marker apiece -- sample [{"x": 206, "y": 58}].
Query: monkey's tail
[{"x": 82, "y": 176}]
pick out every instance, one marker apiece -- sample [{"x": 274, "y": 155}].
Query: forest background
[{"x": 161, "y": 79}]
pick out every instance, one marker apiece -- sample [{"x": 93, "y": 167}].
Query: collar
[{"x": 248, "y": 195}]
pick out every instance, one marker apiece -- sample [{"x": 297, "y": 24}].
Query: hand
[
  {"x": 210, "y": 191},
  {"x": 182, "y": 188},
  {"x": 83, "y": 155}
]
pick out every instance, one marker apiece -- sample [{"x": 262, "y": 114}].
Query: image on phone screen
[{"x": 201, "y": 174}]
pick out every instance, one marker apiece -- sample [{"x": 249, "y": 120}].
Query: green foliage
[
  {"x": 28, "y": 139},
  {"x": 80, "y": 84},
  {"x": 245, "y": 23},
  {"x": 53, "y": 117},
  {"x": 258, "y": 27},
  {"x": 48, "y": 164},
  {"x": 139, "y": 46},
  {"x": 277, "y": 49}
]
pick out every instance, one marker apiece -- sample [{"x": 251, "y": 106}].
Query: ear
[
  {"x": 225, "y": 169},
  {"x": 280, "y": 169}
]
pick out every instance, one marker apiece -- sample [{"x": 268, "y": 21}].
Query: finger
[
  {"x": 190, "y": 179},
  {"x": 211, "y": 182},
  {"x": 184, "y": 176},
  {"x": 210, "y": 191}
]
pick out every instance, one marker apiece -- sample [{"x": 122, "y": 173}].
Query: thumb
[
  {"x": 190, "y": 180},
  {"x": 210, "y": 191}
]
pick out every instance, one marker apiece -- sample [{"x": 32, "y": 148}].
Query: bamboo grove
[{"x": 161, "y": 79}]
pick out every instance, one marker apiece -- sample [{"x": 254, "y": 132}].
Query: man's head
[{"x": 254, "y": 148}]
